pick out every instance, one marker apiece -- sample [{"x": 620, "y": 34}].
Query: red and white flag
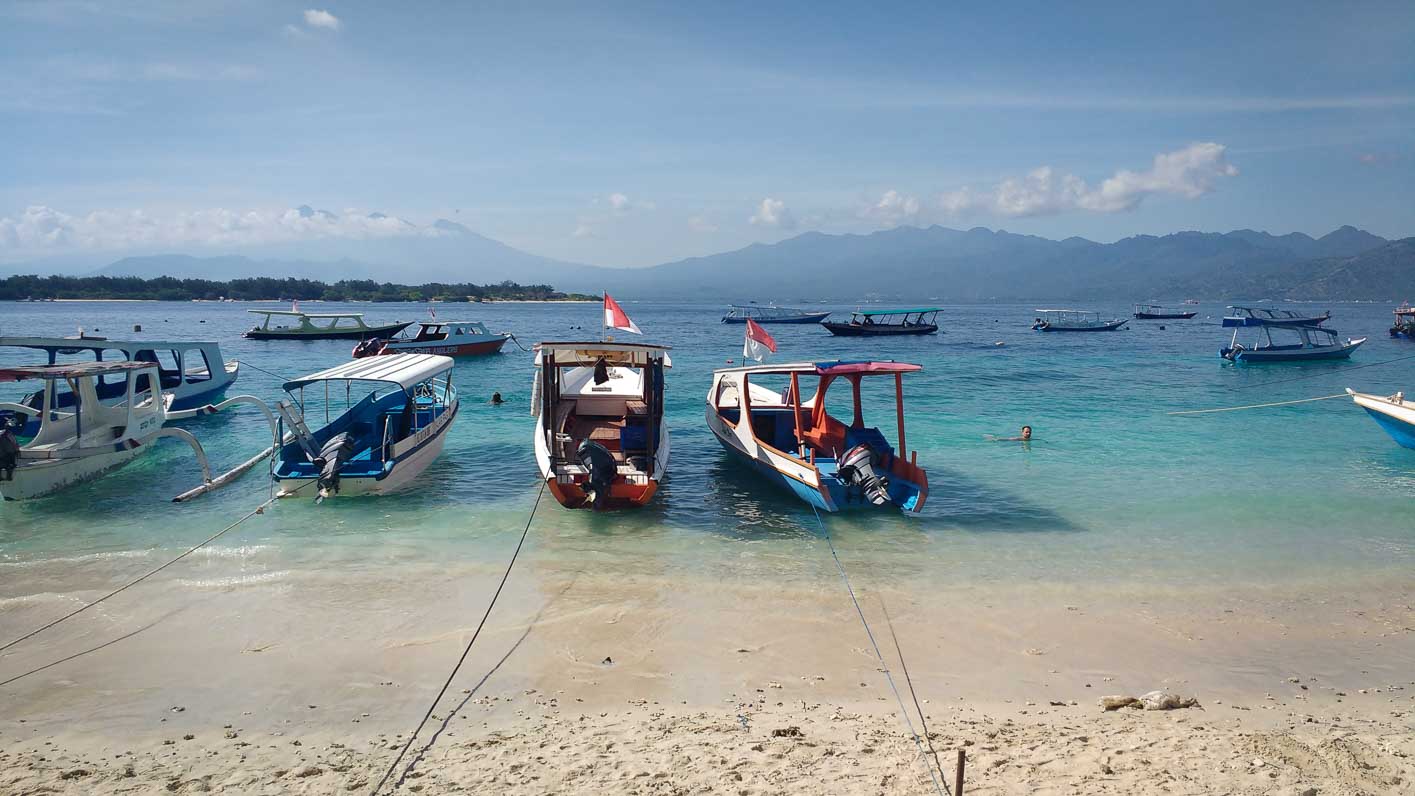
[
  {"x": 616, "y": 318},
  {"x": 758, "y": 342}
]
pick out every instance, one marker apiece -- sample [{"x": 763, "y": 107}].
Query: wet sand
[{"x": 240, "y": 679}]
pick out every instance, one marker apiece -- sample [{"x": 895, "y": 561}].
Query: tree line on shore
[{"x": 166, "y": 288}]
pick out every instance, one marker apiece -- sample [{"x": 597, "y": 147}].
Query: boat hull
[
  {"x": 342, "y": 334},
  {"x": 878, "y": 330},
  {"x": 39, "y": 478},
  {"x": 1164, "y": 316},
  {"x": 623, "y": 493},
  {"x": 814, "y": 317},
  {"x": 468, "y": 349},
  {"x": 1105, "y": 327},
  {"x": 1396, "y": 418},
  {"x": 1404, "y": 330},
  {"x": 1259, "y": 356}
]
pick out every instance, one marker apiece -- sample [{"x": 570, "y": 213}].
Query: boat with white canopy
[
  {"x": 383, "y": 420},
  {"x": 296, "y": 325},
  {"x": 1075, "y": 321},
  {"x": 770, "y": 313},
  {"x": 601, "y": 440},
  {"x": 1294, "y": 343}
]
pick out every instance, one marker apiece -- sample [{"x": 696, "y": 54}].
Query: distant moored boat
[
  {"x": 885, "y": 323},
  {"x": 741, "y": 313}
]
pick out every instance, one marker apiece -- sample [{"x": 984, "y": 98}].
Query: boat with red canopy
[{"x": 759, "y": 413}]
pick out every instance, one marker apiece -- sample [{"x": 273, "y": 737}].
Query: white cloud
[
  {"x": 701, "y": 224},
  {"x": 41, "y": 229},
  {"x": 584, "y": 230},
  {"x": 319, "y": 18},
  {"x": 619, "y": 202},
  {"x": 1190, "y": 172},
  {"x": 893, "y": 209},
  {"x": 773, "y": 213}
]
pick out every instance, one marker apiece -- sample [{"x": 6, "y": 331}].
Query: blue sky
[{"x": 632, "y": 134}]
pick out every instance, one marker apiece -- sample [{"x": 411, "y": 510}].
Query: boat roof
[
  {"x": 905, "y": 311},
  {"x": 612, "y": 353},
  {"x": 405, "y": 370},
  {"x": 761, "y": 307},
  {"x": 92, "y": 344},
  {"x": 309, "y": 314},
  {"x": 832, "y": 368},
  {"x": 71, "y": 370},
  {"x": 440, "y": 322},
  {"x": 1078, "y": 312}
]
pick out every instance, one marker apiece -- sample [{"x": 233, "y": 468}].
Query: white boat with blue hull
[
  {"x": 798, "y": 445},
  {"x": 383, "y": 436},
  {"x": 1392, "y": 413},
  {"x": 1295, "y": 343},
  {"x": 191, "y": 374}
]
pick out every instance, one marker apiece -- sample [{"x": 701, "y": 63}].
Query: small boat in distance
[
  {"x": 797, "y": 444},
  {"x": 1191, "y": 302},
  {"x": 1306, "y": 343},
  {"x": 1404, "y": 325},
  {"x": 1392, "y": 414},
  {"x": 326, "y": 326},
  {"x": 741, "y": 313},
  {"x": 446, "y": 338},
  {"x": 1158, "y": 312},
  {"x": 885, "y": 323},
  {"x": 1275, "y": 317},
  {"x": 601, "y": 441},
  {"x": 382, "y": 439},
  {"x": 1074, "y": 321},
  {"x": 192, "y": 374}
]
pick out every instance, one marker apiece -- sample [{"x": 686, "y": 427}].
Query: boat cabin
[
  {"x": 439, "y": 331},
  {"x": 1404, "y": 325}
]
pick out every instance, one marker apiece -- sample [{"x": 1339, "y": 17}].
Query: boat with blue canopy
[
  {"x": 770, "y": 313},
  {"x": 795, "y": 442},
  {"x": 886, "y": 323},
  {"x": 1074, "y": 321},
  {"x": 1404, "y": 325},
  {"x": 1295, "y": 342},
  {"x": 1392, "y": 413},
  {"x": 387, "y": 432}
]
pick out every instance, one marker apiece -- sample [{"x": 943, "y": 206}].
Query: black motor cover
[
  {"x": 600, "y": 462},
  {"x": 857, "y": 468},
  {"x": 331, "y": 457}
]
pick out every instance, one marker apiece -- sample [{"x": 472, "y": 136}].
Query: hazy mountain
[{"x": 1384, "y": 273}]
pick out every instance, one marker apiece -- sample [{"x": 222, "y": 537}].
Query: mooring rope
[
  {"x": 923, "y": 722},
  {"x": 518, "y": 343},
  {"x": 262, "y": 370},
  {"x": 940, "y": 786},
  {"x": 135, "y": 581},
  {"x": 465, "y": 651},
  {"x": 1256, "y": 406},
  {"x": 1323, "y": 375}
]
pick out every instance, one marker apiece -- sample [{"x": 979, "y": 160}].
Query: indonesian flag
[
  {"x": 758, "y": 342},
  {"x": 616, "y": 318}
]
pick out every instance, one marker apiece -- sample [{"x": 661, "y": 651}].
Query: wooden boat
[
  {"x": 87, "y": 437},
  {"x": 445, "y": 338},
  {"x": 192, "y": 374},
  {"x": 741, "y": 313},
  {"x": 1275, "y": 317},
  {"x": 795, "y": 443},
  {"x": 328, "y": 326},
  {"x": 1404, "y": 325},
  {"x": 1392, "y": 414},
  {"x": 1158, "y": 312},
  {"x": 601, "y": 441},
  {"x": 884, "y": 323},
  {"x": 1074, "y": 321},
  {"x": 388, "y": 432},
  {"x": 1307, "y": 342}
]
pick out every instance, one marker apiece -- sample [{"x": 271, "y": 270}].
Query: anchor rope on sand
[
  {"x": 923, "y": 722},
  {"x": 1256, "y": 406},
  {"x": 135, "y": 581},
  {"x": 940, "y": 786},
  {"x": 465, "y": 651}
]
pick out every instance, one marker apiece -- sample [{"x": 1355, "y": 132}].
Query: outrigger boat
[
  {"x": 883, "y": 323},
  {"x": 446, "y": 338},
  {"x": 1074, "y": 321},
  {"x": 1158, "y": 312},
  {"x": 1312, "y": 342},
  {"x": 1392, "y": 414},
  {"x": 327, "y": 326},
  {"x": 87, "y": 437},
  {"x": 1404, "y": 325},
  {"x": 191, "y": 374},
  {"x": 796, "y": 443},
  {"x": 1275, "y": 317},
  {"x": 381, "y": 440},
  {"x": 741, "y": 313},
  {"x": 601, "y": 441}
]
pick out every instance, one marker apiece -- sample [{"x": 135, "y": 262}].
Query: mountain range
[{"x": 903, "y": 263}]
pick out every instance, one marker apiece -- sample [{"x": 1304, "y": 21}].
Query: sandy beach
[{"x": 592, "y": 682}]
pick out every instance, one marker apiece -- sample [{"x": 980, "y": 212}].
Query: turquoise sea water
[{"x": 1111, "y": 492}]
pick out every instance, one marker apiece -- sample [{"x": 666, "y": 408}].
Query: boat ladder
[{"x": 296, "y": 423}]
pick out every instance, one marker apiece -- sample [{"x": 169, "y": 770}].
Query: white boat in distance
[
  {"x": 326, "y": 326},
  {"x": 381, "y": 440}
]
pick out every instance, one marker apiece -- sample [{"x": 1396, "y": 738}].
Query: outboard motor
[
  {"x": 857, "y": 468},
  {"x": 339, "y": 449},
  {"x": 600, "y": 462}
]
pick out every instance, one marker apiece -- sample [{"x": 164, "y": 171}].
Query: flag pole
[{"x": 603, "y": 308}]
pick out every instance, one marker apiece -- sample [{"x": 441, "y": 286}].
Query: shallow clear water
[{"x": 1112, "y": 493}]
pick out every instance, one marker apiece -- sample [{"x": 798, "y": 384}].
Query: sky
[{"x": 635, "y": 134}]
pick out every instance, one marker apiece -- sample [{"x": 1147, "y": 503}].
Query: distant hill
[{"x": 1383, "y": 273}]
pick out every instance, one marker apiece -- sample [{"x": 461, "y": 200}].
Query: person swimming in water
[
  {"x": 1025, "y": 437},
  {"x": 496, "y": 399}
]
